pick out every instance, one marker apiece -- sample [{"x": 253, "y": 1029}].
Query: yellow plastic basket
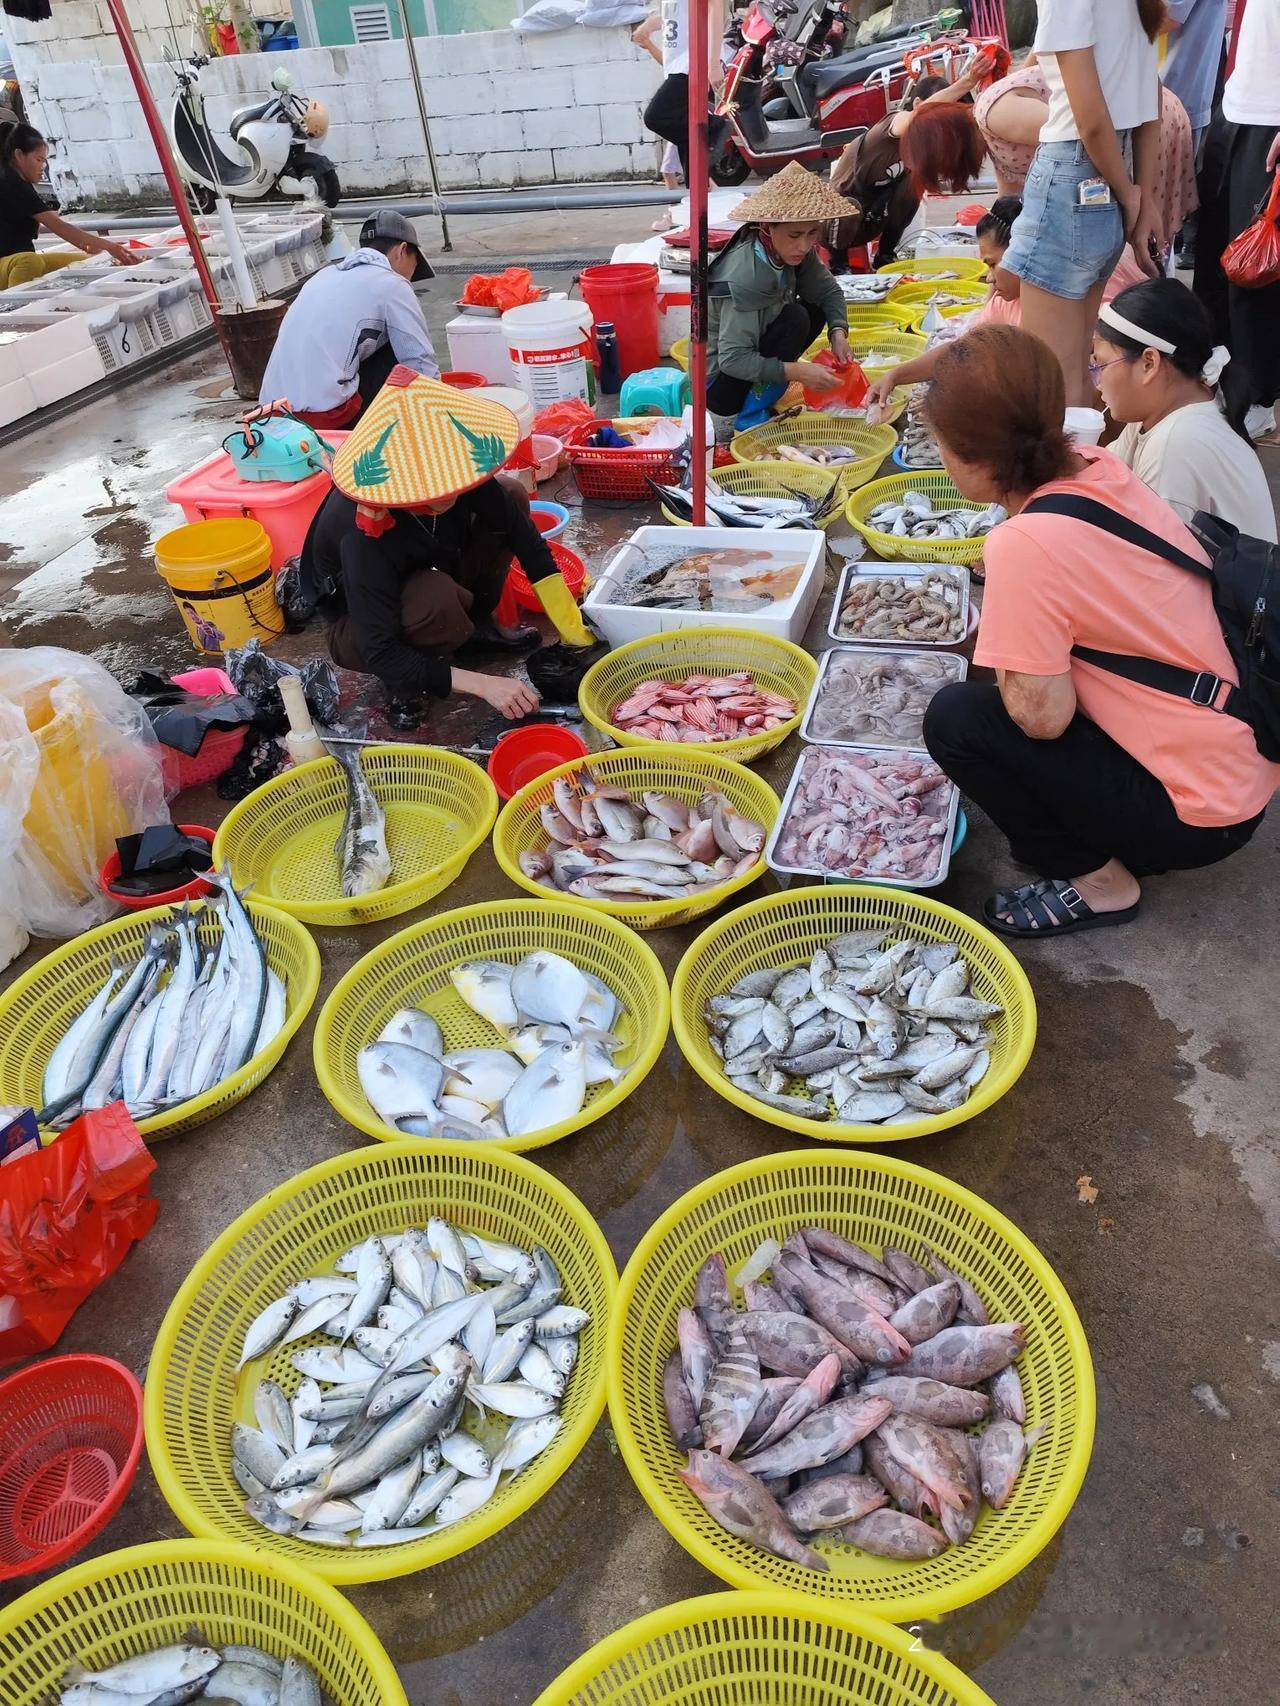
[
  {"x": 930, "y": 266},
  {"x": 126, "y": 1603},
  {"x": 937, "y": 486},
  {"x": 37, "y": 1009},
  {"x": 680, "y": 353},
  {"x": 282, "y": 838},
  {"x": 870, "y": 444},
  {"x": 975, "y": 292},
  {"x": 921, "y": 309},
  {"x": 685, "y": 771},
  {"x": 192, "y": 1393},
  {"x": 898, "y": 346},
  {"x": 876, "y": 1200},
  {"x": 777, "y": 480},
  {"x": 871, "y": 316},
  {"x": 734, "y": 1649},
  {"x": 776, "y": 665},
  {"x": 412, "y": 970},
  {"x": 789, "y": 928}
]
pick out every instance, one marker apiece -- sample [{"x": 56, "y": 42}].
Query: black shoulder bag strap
[{"x": 1201, "y": 687}]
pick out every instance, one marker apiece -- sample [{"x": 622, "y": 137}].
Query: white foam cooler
[{"x": 477, "y": 344}]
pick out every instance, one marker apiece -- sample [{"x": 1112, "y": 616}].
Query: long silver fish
[{"x": 362, "y": 845}]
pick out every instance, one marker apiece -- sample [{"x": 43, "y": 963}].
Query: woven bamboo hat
[
  {"x": 420, "y": 441},
  {"x": 794, "y": 196}
]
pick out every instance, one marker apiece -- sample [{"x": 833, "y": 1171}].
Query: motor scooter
[{"x": 273, "y": 142}]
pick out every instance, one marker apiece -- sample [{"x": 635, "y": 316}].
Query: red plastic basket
[
  {"x": 70, "y": 1439},
  {"x": 218, "y": 750},
  {"x": 617, "y": 476},
  {"x": 569, "y": 563}
]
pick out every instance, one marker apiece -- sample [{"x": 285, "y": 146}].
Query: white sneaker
[{"x": 1260, "y": 420}]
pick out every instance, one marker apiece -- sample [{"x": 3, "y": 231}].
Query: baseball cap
[{"x": 388, "y": 223}]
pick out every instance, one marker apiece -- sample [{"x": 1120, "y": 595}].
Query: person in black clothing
[{"x": 24, "y": 213}]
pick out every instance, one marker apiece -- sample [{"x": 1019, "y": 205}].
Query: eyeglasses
[{"x": 1098, "y": 368}]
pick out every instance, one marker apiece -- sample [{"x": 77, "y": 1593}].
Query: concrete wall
[{"x": 506, "y": 110}]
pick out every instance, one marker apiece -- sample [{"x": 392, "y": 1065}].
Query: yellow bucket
[{"x": 219, "y": 573}]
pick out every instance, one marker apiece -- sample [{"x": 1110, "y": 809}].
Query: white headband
[{"x": 1118, "y": 323}]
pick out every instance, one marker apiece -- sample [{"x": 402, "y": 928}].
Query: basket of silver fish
[
  {"x": 907, "y": 607},
  {"x": 876, "y": 696},
  {"x": 922, "y": 517}
]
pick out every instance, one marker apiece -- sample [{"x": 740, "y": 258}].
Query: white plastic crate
[
  {"x": 63, "y": 378},
  {"x": 30, "y": 341}
]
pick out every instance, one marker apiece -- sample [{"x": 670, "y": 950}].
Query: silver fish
[
  {"x": 400, "y": 1082},
  {"x": 364, "y": 862},
  {"x": 553, "y": 1089},
  {"x": 412, "y": 1026}
]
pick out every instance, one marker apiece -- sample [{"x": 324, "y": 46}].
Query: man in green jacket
[{"x": 770, "y": 295}]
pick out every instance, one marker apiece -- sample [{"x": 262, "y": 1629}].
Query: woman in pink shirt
[{"x": 1096, "y": 780}]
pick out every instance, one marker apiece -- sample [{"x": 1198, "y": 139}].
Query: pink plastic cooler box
[{"x": 213, "y": 490}]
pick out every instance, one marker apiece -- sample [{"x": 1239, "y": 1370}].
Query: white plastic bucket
[
  {"x": 522, "y": 463},
  {"x": 546, "y": 342},
  {"x": 1084, "y": 426}
]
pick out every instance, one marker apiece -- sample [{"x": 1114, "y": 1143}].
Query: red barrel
[{"x": 628, "y": 296}]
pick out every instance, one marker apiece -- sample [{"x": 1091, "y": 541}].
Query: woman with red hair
[{"x": 931, "y": 145}]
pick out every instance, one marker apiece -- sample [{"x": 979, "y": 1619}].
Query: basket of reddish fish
[
  {"x": 840, "y": 1374},
  {"x": 854, "y": 1014},
  {"x": 724, "y": 687}
]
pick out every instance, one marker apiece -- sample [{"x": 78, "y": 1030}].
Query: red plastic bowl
[
  {"x": 70, "y": 1439},
  {"x": 139, "y": 903},
  {"x": 463, "y": 381},
  {"x": 569, "y": 563},
  {"x": 522, "y": 755}
]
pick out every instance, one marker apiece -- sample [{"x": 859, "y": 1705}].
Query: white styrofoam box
[
  {"x": 16, "y": 399},
  {"x": 479, "y": 345},
  {"x": 787, "y": 618},
  {"x": 942, "y": 209},
  {"x": 51, "y": 384},
  {"x": 38, "y": 340}
]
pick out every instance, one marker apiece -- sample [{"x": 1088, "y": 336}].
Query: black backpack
[{"x": 1244, "y": 575}]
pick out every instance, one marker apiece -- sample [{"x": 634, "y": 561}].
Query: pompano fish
[
  {"x": 363, "y": 859},
  {"x": 552, "y": 1089},
  {"x": 485, "y": 986},
  {"x": 400, "y": 1082},
  {"x": 548, "y": 989},
  {"x": 484, "y": 1075},
  {"x": 746, "y": 1509},
  {"x": 412, "y": 1026}
]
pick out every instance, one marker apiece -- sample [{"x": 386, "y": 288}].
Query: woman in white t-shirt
[
  {"x": 1089, "y": 189},
  {"x": 1158, "y": 369},
  {"x": 667, "y": 114}
]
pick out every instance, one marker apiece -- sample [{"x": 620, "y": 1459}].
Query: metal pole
[
  {"x": 698, "y": 148},
  {"x": 426, "y": 127},
  {"x": 177, "y": 189}
]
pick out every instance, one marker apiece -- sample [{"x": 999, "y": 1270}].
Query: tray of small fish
[
  {"x": 837, "y": 444},
  {"x": 907, "y": 607},
  {"x": 363, "y": 835},
  {"x": 917, "y": 447},
  {"x": 875, "y": 695},
  {"x": 838, "y": 1373},
  {"x": 383, "y": 1362},
  {"x": 875, "y": 814},
  {"x": 177, "y": 1012},
  {"x": 514, "y": 1022},
  {"x": 922, "y": 517},
  {"x": 182, "y": 1620}
]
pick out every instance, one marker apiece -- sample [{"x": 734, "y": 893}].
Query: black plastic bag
[
  {"x": 159, "y": 859},
  {"x": 255, "y": 675},
  {"x": 296, "y": 595}
]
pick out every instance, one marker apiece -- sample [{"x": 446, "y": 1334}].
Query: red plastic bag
[
  {"x": 1252, "y": 259},
  {"x": 510, "y": 289},
  {"x": 853, "y": 388},
  {"x": 68, "y": 1215},
  {"x": 558, "y": 420}
]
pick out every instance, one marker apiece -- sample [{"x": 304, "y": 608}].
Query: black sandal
[{"x": 1049, "y": 907}]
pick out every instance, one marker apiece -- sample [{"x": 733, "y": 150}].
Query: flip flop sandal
[{"x": 1049, "y": 907}]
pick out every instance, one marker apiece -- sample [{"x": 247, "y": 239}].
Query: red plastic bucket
[
  {"x": 627, "y": 295},
  {"x": 462, "y": 380},
  {"x": 570, "y": 565}
]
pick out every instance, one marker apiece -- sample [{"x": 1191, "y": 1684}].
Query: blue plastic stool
[{"x": 654, "y": 391}]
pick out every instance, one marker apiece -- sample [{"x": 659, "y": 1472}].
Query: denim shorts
[{"x": 1058, "y": 245}]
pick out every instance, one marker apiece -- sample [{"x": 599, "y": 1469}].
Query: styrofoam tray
[
  {"x": 957, "y": 668},
  {"x": 896, "y": 572},
  {"x": 896, "y": 752},
  {"x": 787, "y": 619}
]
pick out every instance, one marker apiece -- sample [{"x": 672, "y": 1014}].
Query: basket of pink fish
[{"x": 739, "y": 692}]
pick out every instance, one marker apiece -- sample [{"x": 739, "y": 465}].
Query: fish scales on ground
[
  {"x": 899, "y": 1034},
  {"x": 702, "y": 708},
  {"x": 878, "y": 698},
  {"x": 789, "y": 1443},
  {"x": 556, "y": 1022},
  {"x": 176, "y": 1023},
  {"x": 193, "y": 1670},
  {"x": 856, "y": 813},
  {"x": 421, "y": 1430},
  {"x": 924, "y": 609},
  {"x": 611, "y": 845},
  {"x": 364, "y": 863}
]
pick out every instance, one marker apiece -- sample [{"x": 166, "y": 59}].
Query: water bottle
[{"x": 610, "y": 370}]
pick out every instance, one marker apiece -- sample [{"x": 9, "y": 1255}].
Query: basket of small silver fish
[
  {"x": 921, "y": 516},
  {"x": 179, "y": 1013},
  {"x": 383, "y": 1362},
  {"x": 875, "y": 695},
  {"x": 909, "y": 607}
]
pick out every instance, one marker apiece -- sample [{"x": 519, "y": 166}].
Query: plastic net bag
[
  {"x": 1252, "y": 260},
  {"x": 80, "y": 766}
]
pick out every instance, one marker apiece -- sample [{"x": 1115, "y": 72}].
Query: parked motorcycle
[{"x": 273, "y": 141}]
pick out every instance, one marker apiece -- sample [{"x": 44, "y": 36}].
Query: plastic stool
[{"x": 655, "y": 391}]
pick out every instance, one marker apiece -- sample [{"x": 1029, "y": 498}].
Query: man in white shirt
[{"x": 350, "y": 325}]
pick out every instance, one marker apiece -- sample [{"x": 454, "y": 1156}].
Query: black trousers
[
  {"x": 787, "y": 337},
  {"x": 667, "y": 116},
  {"x": 374, "y": 372},
  {"x": 1066, "y": 805},
  {"x": 1232, "y": 180}
]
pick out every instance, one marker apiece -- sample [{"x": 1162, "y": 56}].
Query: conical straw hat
[{"x": 794, "y": 196}]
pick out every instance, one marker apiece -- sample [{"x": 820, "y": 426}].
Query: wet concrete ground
[{"x": 1154, "y": 1074}]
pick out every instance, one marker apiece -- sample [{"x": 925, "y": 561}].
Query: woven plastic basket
[
  {"x": 775, "y": 665},
  {"x": 777, "y": 480},
  {"x": 37, "y": 1009},
  {"x": 789, "y": 928},
  {"x": 929, "y": 266},
  {"x": 898, "y": 346},
  {"x": 412, "y": 970},
  {"x": 192, "y": 1392},
  {"x": 872, "y": 316},
  {"x": 974, "y": 291},
  {"x": 685, "y": 771},
  {"x": 619, "y": 475},
  {"x": 127, "y": 1603},
  {"x": 439, "y": 808},
  {"x": 733, "y": 1648},
  {"x": 877, "y": 1200},
  {"x": 936, "y": 485},
  {"x": 870, "y": 444}
]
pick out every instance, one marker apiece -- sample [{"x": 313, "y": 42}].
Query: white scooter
[{"x": 273, "y": 144}]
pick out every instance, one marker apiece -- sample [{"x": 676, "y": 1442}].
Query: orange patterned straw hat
[{"x": 420, "y": 441}]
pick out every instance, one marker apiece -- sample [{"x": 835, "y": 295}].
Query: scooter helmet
[{"x": 315, "y": 121}]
